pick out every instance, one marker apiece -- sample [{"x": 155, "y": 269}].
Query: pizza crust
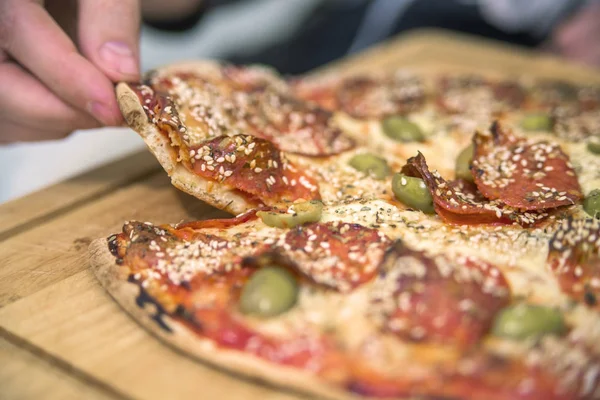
[
  {"x": 208, "y": 191},
  {"x": 182, "y": 339}
]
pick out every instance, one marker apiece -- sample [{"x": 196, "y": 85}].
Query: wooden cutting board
[{"x": 62, "y": 336}]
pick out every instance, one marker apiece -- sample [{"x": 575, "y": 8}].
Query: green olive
[
  {"x": 371, "y": 164},
  {"x": 413, "y": 192},
  {"x": 591, "y": 204},
  {"x": 297, "y": 214},
  {"x": 593, "y": 146},
  {"x": 537, "y": 122},
  {"x": 402, "y": 130},
  {"x": 463, "y": 164},
  {"x": 524, "y": 321},
  {"x": 270, "y": 291}
]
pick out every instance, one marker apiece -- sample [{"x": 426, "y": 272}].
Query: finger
[
  {"x": 38, "y": 44},
  {"x": 578, "y": 27},
  {"x": 26, "y": 102},
  {"x": 570, "y": 34},
  {"x": 589, "y": 55},
  {"x": 109, "y": 36}
]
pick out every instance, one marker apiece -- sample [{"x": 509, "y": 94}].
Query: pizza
[{"x": 393, "y": 235}]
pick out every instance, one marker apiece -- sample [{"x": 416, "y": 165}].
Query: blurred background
[{"x": 295, "y": 36}]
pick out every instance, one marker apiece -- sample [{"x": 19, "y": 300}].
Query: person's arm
[
  {"x": 578, "y": 38},
  {"x": 52, "y": 84}
]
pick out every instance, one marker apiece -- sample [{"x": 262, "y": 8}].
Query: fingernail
[
  {"x": 101, "y": 112},
  {"x": 119, "y": 57}
]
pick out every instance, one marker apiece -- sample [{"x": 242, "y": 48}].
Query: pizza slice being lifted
[{"x": 222, "y": 133}]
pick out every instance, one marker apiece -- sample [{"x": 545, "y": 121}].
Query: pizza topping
[
  {"x": 528, "y": 321},
  {"x": 270, "y": 291},
  {"x": 554, "y": 93},
  {"x": 576, "y": 126},
  {"x": 338, "y": 255},
  {"x": 537, "y": 122},
  {"x": 574, "y": 256},
  {"x": 463, "y": 164},
  {"x": 475, "y": 376},
  {"x": 521, "y": 173},
  {"x": 573, "y": 109},
  {"x": 296, "y": 214},
  {"x": 252, "y": 78},
  {"x": 245, "y": 101},
  {"x": 591, "y": 204},
  {"x": 253, "y": 166},
  {"x": 377, "y": 97},
  {"x": 308, "y": 351},
  {"x": 370, "y": 164},
  {"x": 589, "y": 97},
  {"x": 509, "y": 93},
  {"x": 159, "y": 108},
  {"x": 574, "y": 366},
  {"x": 435, "y": 299},
  {"x": 295, "y": 126},
  {"x": 207, "y": 310},
  {"x": 401, "y": 129},
  {"x": 413, "y": 192},
  {"x": 593, "y": 145},
  {"x": 459, "y": 202},
  {"x": 472, "y": 94},
  {"x": 317, "y": 91},
  {"x": 164, "y": 260},
  {"x": 186, "y": 230}
]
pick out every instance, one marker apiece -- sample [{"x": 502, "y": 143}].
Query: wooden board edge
[{"x": 23, "y": 213}]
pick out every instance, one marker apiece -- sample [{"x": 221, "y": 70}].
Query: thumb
[{"x": 109, "y": 36}]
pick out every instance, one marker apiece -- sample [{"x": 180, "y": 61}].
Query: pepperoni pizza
[{"x": 396, "y": 235}]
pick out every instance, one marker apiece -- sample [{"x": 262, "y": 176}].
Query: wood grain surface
[{"x": 61, "y": 335}]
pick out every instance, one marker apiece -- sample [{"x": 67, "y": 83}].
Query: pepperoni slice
[
  {"x": 221, "y": 223},
  {"x": 459, "y": 203},
  {"x": 550, "y": 94},
  {"x": 251, "y": 165},
  {"x": 379, "y": 97},
  {"x": 251, "y": 78},
  {"x": 365, "y": 96},
  {"x": 291, "y": 124},
  {"x": 254, "y": 166},
  {"x": 175, "y": 256},
  {"x": 253, "y": 102},
  {"x": 521, "y": 173},
  {"x": 434, "y": 299},
  {"x": 309, "y": 351},
  {"x": 589, "y": 98},
  {"x": 159, "y": 108},
  {"x": 475, "y": 376},
  {"x": 321, "y": 92},
  {"x": 339, "y": 255},
  {"x": 209, "y": 311},
  {"x": 576, "y": 126},
  {"x": 574, "y": 256},
  {"x": 295, "y": 126},
  {"x": 205, "y": 300},
  {"x": 574, "y": 109},
  {"x": 471, "y": 93}
]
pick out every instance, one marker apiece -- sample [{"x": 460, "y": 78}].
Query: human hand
[
  {"x": 58, "y": 60},
  {"x": 578, "y": 38}
]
